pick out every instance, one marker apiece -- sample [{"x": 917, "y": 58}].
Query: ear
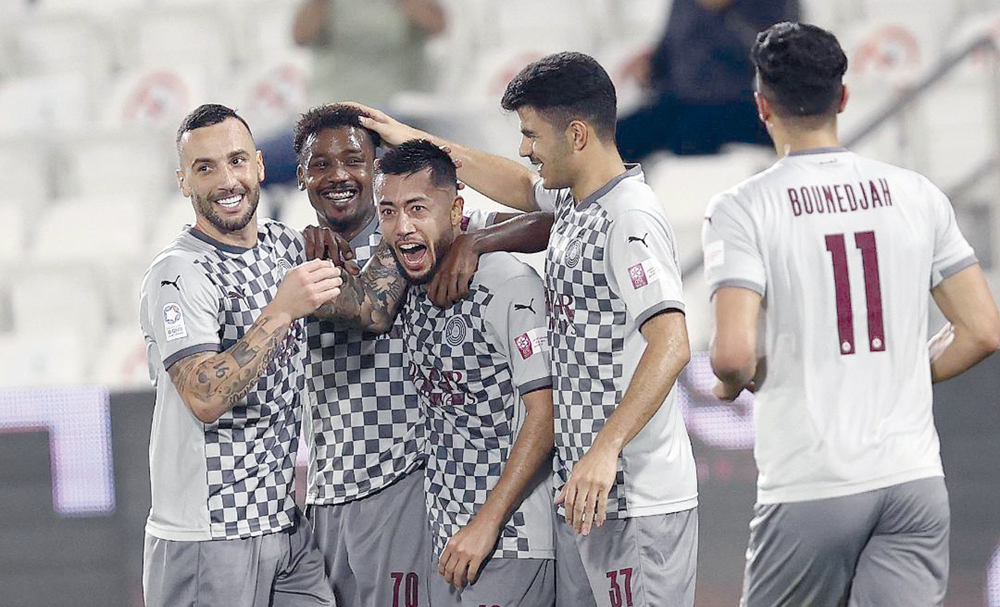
[
  {"x": 578, "y": 133},
  {"x": 260, "y": 166},
  {"x": 844, "y": 96},
  {"x": 182, "y": 184},
  {"x": 763, "y": 107},
  {"x": 457, "y": 210},
  {"x": 300, "y": 177}
]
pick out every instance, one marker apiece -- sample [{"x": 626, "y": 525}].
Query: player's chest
[{"x": 575, "y": 258}]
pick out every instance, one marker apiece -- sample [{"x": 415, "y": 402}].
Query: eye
[
  {"x": 239, "y": 160},
  {"x": 417, "y": 208},
  {"x": 203, "y": 168},
  {"x": 319, "y": 165},
  {"x": 385, "y": 212}
]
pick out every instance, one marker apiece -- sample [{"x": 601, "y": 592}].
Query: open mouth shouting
[{"x": 413, "y": 256}]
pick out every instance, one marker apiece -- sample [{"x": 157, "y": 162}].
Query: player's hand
[
  {"x": 306, "y": 287},
  {"x": 392, "y": 131},
  {"x": 324, "y": 243},
  {"x": 585, "y": 494},
  {"x": 451, "y": 282},
  {"x": 466, "y": 551},
  {"x": 729, "y": 393}
]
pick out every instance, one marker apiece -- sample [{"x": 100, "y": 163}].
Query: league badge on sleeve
[
  {"x": 644, "y": 273},
  {"x": 531, "y": 342},
  {"x": 173, "y": 322}
]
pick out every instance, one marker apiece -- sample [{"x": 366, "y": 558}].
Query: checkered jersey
[
  {"x": 364, "y": 426},
  {"x": 249, "y": 452},
  {"x": 469, "y": 363},
  {"x": 610, "y": 266}
]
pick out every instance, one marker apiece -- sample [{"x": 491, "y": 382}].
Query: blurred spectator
[
  {"x": 701, "y": 79},
  {"x": 363, "y": 51}
]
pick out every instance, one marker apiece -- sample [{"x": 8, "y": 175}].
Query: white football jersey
[{"x": 843, "y": 250}]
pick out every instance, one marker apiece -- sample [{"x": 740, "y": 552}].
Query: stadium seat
[
  {"x": 27, "y": 172},
  {"x": 157, "y": 97},
  {"x": 272, "y": 93},
  {"x": 171, "y": 216},
  {"x": 101, "y": 231},
  {"x": 65, "y": 44},
  {"x": 124, "y": 163},
  {"x": 180, "y": 36},
  {"x": 121, "y": 363},
  {"x": 44, "y": 104},
  {"x": 29, "y": 361},
  {"x": 12, "y": 245}
]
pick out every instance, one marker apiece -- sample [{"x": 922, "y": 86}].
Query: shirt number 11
[{"x": 865, "y": 242}]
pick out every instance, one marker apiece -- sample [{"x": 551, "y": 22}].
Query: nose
[
  {"x": 229, "y": 178},
  {"x": 339, "y": 172},
  {"x": 404, "y": 225},
  {"x": 524, "y": 150}
]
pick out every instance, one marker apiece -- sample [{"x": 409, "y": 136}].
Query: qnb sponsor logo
[
  {"x": 993, "y": 580},
  {"x": 441, "y": 387},
  {"x": 727, "y": 426},
  {"x": 78, "y": 421}
]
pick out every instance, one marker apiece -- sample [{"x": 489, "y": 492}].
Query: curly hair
[{"x": 329, "y": 116}]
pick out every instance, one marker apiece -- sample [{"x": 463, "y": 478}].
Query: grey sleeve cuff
[
  {"x": 536, "y": 384},
  {"x": 957, "y": 267},
  {"x": 188, "y": 351},
  {"x": 737, "y": 282},
  {"x": 663, "y": 306},
  {"x": 491, "y": 219}
]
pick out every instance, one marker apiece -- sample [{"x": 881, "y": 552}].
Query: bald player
[
  {"x": 837, "y": 252},
  {"x": 221, "y": 309}
]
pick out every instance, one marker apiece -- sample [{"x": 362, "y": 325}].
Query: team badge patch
[
  {"x": 173, "y": 322},
  {"x": 455, "y": 330},
  {"x": 715, "y": 254},
  {"x": 644, "y": 273},
  {"x": 532, "y": 342},
  {"x": 573, "y": 253}
]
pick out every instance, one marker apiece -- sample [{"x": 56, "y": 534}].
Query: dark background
[{"x": 47, "y": 560}]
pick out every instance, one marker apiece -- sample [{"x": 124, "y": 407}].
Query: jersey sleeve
[
  {"x": 550, "y": 200},
  {"x": 952, "y": 253},
  {"x": 477, "y": 219},
  {"x": 729, "y": 243},
  {"x": 642, "y": 264},
  {"x": 517, "y": 318},
  {"x": 183, "y": 309}
]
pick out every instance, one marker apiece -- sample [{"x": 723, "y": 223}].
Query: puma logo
[
  {"x": 637, "y": 239},
  {"x": 518, "y": 306},
  {"x": 236, "y": 293},
  {"x": 172, "y": 283}
]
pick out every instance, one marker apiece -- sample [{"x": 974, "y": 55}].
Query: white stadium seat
[
  {"x": 100, "y": 231},
  {"x": 118, "y": 163},
  {"x": 55, "y": 360},
  {"x": 70, "y": 43},
  {"x": 157, "y": 97},
  {"x": 121, "y": 363},
  {"x": 44, "y": 104}
]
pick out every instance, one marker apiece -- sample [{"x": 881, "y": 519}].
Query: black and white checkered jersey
[
  {"x": 364, "y": 427},
  {"x": 231, "y": 478},
  {"x": 470, "y": 363},
  {"x": 611, "y": 265}
]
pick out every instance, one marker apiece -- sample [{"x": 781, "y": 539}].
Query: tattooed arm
[
  {"x": 210, "y": 384},
  {"x": 371, "y": 300}
]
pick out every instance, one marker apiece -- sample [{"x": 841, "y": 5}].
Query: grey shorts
[
  {"x": 501, "y": 583},
  {"x": 886, "y": 547},
  {"x": 646, "y": 561},
  {"x": 275, "y": 570},
  {"x": 377, "y": 549}
]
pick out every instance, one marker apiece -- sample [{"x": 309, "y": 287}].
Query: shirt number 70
[{"x": 865, "y": 242}]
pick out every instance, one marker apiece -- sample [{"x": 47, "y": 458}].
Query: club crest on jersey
[
  {"x": 173, "y": 322},
  {"x": 285, "y": 266},
  {"x": 573, "y": 253},
  {"x": 455, "y": 331}
]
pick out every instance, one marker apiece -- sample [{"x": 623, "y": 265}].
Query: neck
[
  {"x": 788, "y": 140},
  {"x": 599, "y": 169},
  {"x": 356, "y": 226},
  {"x": 245, "y": 238}
]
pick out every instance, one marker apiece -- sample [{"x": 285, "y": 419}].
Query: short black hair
[
  {"x": 416, "y": 155},
  {"x": 208, "y": 114},
  {"x": 801, "y": 68},
  {"x": 329, "y": 116},
  {"x": 566, "y": 86}
]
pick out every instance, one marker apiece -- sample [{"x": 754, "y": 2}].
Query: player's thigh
[
  {"x": 642, "y": 562},
  {"x": 502, "y": 583},
  {"x": 329, "y": 530},
  {"x": 169, "y": 572},
  {"x": 805, "y": 553},
  {"x": 389, "y": 545},
  {"x": 572, "y": 584},
  {"x": 905, "y": 562},
  {"x": 301, "y": 578}
]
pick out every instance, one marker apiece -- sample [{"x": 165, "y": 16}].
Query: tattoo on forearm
[
  {"x": 371, "y": 299},
  {"x": 230, "y": 375}
]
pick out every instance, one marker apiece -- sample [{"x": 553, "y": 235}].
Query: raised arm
[
  {"x": 370, "y": 300},
  {"x": 467, "y": 549},
  {"x": 973, "y": 332},
  {"x": 501, "y": 179},
  {"x": 211, "y": 383},
  {"x": 513, "y": 232}
]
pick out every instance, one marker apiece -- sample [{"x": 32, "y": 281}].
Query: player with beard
[
  {"x": 221, "y": 310},
  {"x": 480, "y": 368},
  {"x": 365, "y": 427},
  {"x": 625, "y": 472}
]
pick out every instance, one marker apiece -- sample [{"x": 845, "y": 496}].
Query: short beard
[
  {"x": 234, "y": 225},
  {"x": 440, "y": 250}
]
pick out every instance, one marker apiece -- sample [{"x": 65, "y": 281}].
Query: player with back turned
[{"x": 837, "y": 253}]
